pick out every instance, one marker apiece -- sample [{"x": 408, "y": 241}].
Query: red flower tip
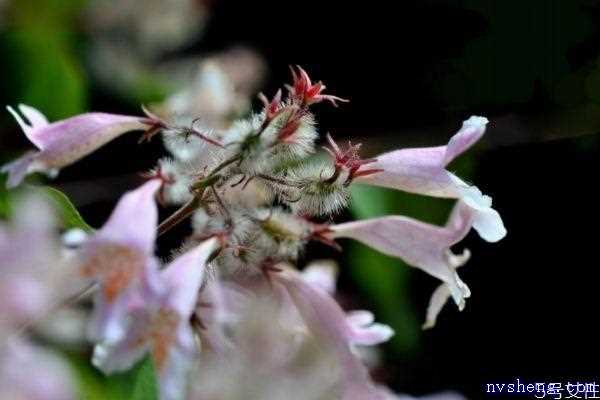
[
  {"x": 319, "y": 233},
  {"x": 271, "y": 107},
  {"x": 307, "y": 93},
  {"x": 349, "y": 159}
]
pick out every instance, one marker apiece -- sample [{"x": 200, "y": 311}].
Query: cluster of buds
[{"x": 256, "y": 192}]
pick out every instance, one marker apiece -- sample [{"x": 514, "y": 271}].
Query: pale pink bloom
[
  {"x": 361, "y": 327},
  {"x": 321, "y": 274},
  {"x": 272, "y": 354},
  {"x": 419, "y": 244},
  {"x": 331, "y": 326},
  {"x": 34, "y": 275},
  {"x": 119, "y": 257},
  {"x": 64, "y": 142},
  {"x": 159, "y": 322},
  {"x": 423, "y": 171},
  {"x": 29, "y": 372}
]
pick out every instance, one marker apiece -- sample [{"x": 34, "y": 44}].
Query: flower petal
[
  {"x": 184, "y": 277},
  {"x": 64, "y": 142},
  {"x": 438, "y": 299},
  {"x": 422, "y": 171},
  {"x": 471, "y": 131},
  {"x": 30, "y": 372},
  {"x": 365, "y": 332},
  {"x": 37, "y": 120},
  {"x": 134, "y": 220},
  {"x": 419, "y": 244},
  {"x": 120, "y": 355},
  {"x": 322, "y": 274},
  {"x": 327, "y": 320}
]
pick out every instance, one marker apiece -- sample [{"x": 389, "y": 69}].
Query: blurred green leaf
[
  {"x": 69, "y": 215},
  {"x": 136, "y": 384},
  {"x": 43, "y": 66},
  {"x": 4, "y": 199},
  {"x": 146, "y": 387}
]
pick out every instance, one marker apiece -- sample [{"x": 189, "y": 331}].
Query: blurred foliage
[
  {"x": 386, "y": 280},
  {"x": 43, "y": 64},
  {"x": 517, "y": 51},
  {"x": 138, "y": 383},
  {"x": 69, "y": 216}
]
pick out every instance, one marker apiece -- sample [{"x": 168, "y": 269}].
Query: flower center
[
  {"x": 115, "y": 266},
  {"x": 163, "y": 331}
]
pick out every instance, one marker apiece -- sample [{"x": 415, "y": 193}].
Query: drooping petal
[
  {"x": 326, "y": 320},
  {"x": 423, "y": 171},
  {"x": 365, "y": 332},
  {"x": 419, "y": 244},
  {"x": 66, "y": 141},
  {"x": 438, "y": 299},
  {"x": 487, "y": 222}
]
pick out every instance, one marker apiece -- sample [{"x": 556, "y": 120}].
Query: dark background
[{"x": 413, "y": 71}]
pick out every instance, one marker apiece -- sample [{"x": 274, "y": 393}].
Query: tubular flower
[
  {"x": 419, "y": 244},
  {"x": 119, "y": 258},
  {"x": 423, "y": 171},
  {"x": 159, "y": 322},
  {"x": 64, "y": 142}
]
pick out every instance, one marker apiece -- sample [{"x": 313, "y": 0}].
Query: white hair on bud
[
  {"x": 315, "y": 189},
  {"x": 177, "y": 181},
  {"x": 285, "y": 234}
]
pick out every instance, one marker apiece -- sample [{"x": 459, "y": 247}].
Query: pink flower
[
  {"x": 64, "y": 142},
  {"x": 33, "y": 373},
  {"x": 159, "y": 322},
  {"x": 120, "y": 258},
  {"x": 361, "y": 328},
  {"x": 34, "y": 273},
  {"x": 419, "y": 244},
  {"x": 329, "y": 323},
  {"x": 423, "y": 171},
  {"x": 306, "y": 93},
  {"x": 286, "y": 338}
]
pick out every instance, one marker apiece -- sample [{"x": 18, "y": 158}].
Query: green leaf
[
  {"x": 136, "y": 384},
  {"x": 5, "y": 208},
  {"x": 145, "y": 387},
  {"x": 69, "y": 216}
]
